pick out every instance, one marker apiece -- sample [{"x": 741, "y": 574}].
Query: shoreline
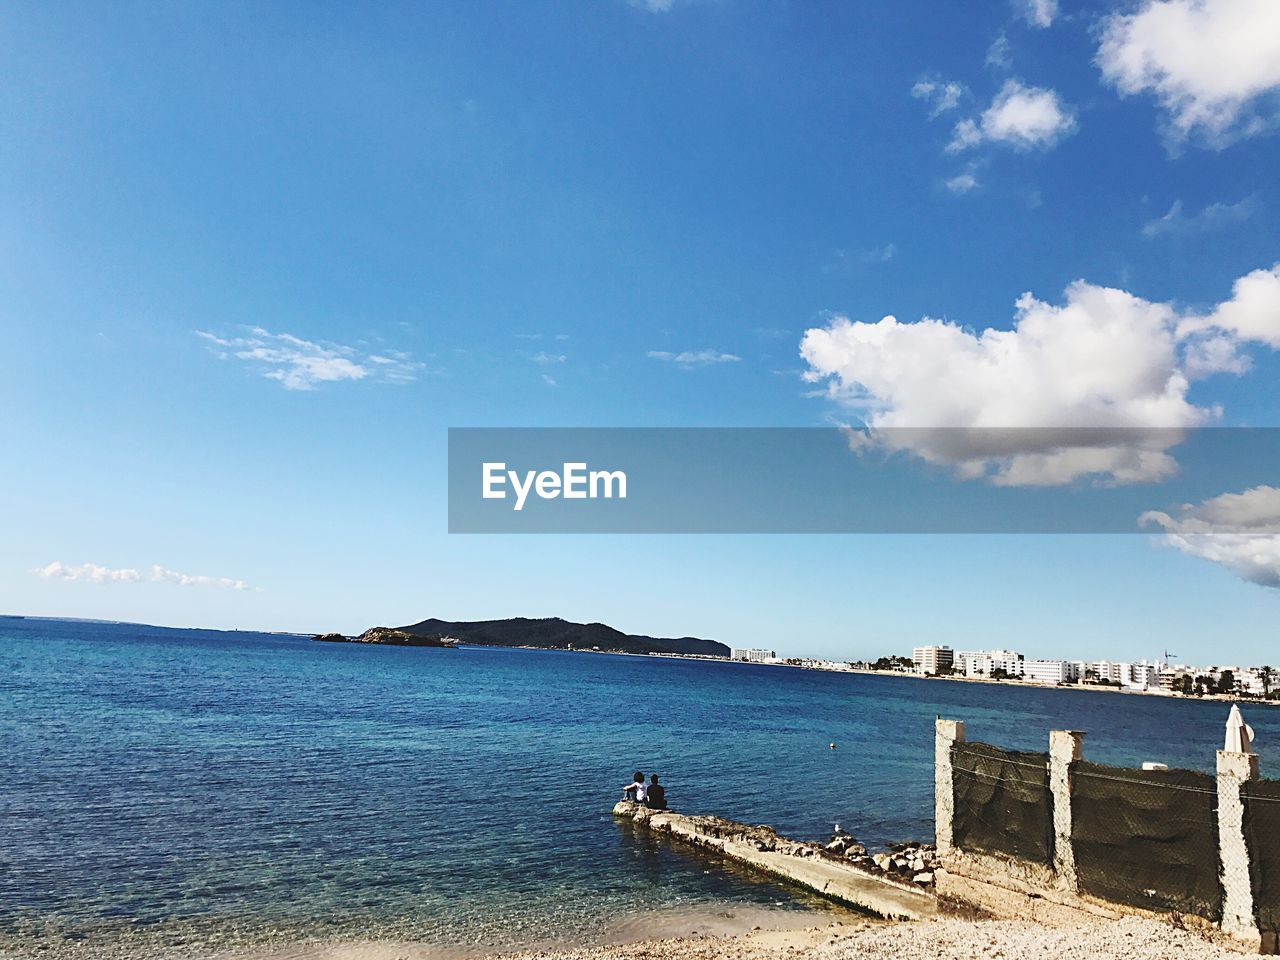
[{"x": 705, "y": 936}]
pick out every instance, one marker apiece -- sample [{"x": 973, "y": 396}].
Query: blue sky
[{"x": 602, "y": 214}]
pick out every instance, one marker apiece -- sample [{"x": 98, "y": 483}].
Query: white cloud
[
  {"x": 964, "y": 181},
  {"x": 941, "y": 95},
  {"x": 1214, "y": 65},
  {"x": 1022, "y": 117},
  {"x": 1039, "y": 13},
  {"x": 653, "y": 6},
  {"x": 548, "y": 358},
  {"x": 1256, "y": 510},
  {"x": 1253, "y": 557},
  {"x": 693, "y": 358},
  {"x": 1234, "y": 530},
  {"x": 549, "y": 380},
  {"x": 1000, "y": 53},
  {"x": 1215, "y": 216},
  {"x": 1252, "y": 313},
  {"x": 89, "y": 572},
  {"x": 92, "y": 573},
  {"x": 161, "y": 574},
  {"x": 880, "y": 254},
  {"x": 300, "y": 364},
  {"x": 1104, "y": 361}
]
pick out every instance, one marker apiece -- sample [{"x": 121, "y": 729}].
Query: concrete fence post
[
  {"x": 1234, "y": 769},
  {"x": 1065, "y": 748},
  {"x": 946, "y": 732}
]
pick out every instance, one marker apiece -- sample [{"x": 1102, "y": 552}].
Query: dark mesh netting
[
  {"x": 1147, "y": 838},
  {"x": 1262, "y": 833},
  {"x": 1002, "y": 802}
]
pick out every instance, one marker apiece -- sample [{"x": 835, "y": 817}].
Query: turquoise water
[{"x": 164, "y": 787}]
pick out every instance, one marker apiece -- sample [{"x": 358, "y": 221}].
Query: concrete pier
[{"x": 804, "y": 864}]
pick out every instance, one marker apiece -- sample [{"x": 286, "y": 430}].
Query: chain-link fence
[
  {"x": 1002, "y": 802},
  {"x": 1262, "y": 837},
  {"x": 1147, "y": 838}
]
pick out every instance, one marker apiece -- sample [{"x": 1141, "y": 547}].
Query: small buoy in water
[{"x": 832, "y": 746}]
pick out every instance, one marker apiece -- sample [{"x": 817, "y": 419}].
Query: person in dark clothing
[{"x": 656, "y": 798}]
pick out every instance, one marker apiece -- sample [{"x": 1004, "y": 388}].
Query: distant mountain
[{"x": 554, "y": 633}]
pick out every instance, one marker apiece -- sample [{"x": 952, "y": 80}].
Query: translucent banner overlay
[{"x": 841, "y": 480}]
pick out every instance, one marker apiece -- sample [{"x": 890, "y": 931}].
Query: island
[
  {"x": 545, "y": 633},
  {"x": 554, "y": 633}
]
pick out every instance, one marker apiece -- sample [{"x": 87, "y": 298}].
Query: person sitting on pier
[
  {"x": 636, "y": 791},
  {"x": 656, "y": 798}
]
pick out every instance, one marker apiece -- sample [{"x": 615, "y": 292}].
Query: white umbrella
[{"x": 1239, "y": 733}]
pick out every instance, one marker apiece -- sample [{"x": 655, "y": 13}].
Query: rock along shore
[
  {"x": 388, "y": 637},
  {"x": 828, "y": 870}
]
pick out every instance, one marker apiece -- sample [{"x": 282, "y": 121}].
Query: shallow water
[{"x": 168, "y": 788}]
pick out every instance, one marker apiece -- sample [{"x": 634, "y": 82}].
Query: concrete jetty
[{"x": 805, "y": 864}]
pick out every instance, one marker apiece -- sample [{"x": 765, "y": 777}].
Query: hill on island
[{"x": 555, "y": 634}]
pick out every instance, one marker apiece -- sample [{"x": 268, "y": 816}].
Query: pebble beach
[{"x": 945, "y": 939}]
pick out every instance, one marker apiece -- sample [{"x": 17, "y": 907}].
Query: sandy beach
[
  {"x": 722, "y": 938},
  {"x": 952, "y": 939}
]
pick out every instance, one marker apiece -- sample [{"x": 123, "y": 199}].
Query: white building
[
  {"x": 932, "y": 660},
  {"x": 982, "y": 663},
  {"x": 752, "y": 655},
  {"x": 1143, "y": 676},
  {"x": 1048, "y": 671},
  {"x": 1131, "y": 676}
]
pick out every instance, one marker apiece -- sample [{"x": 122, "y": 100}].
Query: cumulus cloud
[
  {"x": 940, "y": 95},
  {"x": 1214, "y": 65},
  {"x": 1235, "y": 530},
  {"x": 1094, "y": 387},
  {"x": 1256, "y": 510},
  {"x": 92, "y": 573},
  {"x": 1039, "y": 13},
  {"x": 1213, "y": 217},
  {"x": 1023, "y": 117},
  {"x": 1255, "y": 558},
  {"x": 693, "y": 358},
  {"x": 300, "y": 364},
  {"x": 1252, "y": 313}
]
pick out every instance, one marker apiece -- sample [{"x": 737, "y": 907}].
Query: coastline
[
  {"x": 1077, "y": 687},
  {"x": 710, "y": 937},
  {"x": 904, "y": 675}
]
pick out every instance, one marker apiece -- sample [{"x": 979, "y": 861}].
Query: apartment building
[{"x": 933, "y": 660}]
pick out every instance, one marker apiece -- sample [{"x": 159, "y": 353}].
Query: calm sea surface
[{"x": 165, "y": 787}]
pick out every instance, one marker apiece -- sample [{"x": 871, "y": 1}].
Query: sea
[{"x": 181, "y": 790}]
